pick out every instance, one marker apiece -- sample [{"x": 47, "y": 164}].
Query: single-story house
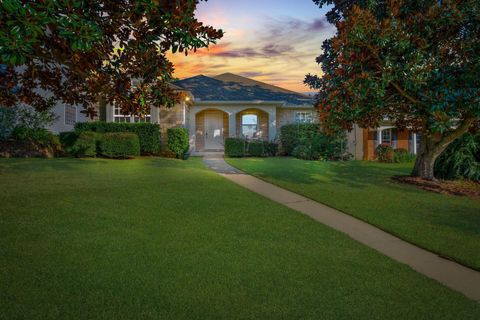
[{"x": 229, "y": 105}]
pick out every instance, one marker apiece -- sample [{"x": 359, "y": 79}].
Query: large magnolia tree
[
  {"x": 80, "y": 51},
  {"x": 414, "y": 62}
]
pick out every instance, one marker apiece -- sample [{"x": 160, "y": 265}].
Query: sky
[{"x": 274, "y": 41}]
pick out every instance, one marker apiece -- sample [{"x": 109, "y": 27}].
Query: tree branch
[{"x": 404, "y": 94}]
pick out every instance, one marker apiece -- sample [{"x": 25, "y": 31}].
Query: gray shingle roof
[{"x": 206, "y": 88}]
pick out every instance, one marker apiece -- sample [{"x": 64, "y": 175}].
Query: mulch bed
[{"x": 459, "y": 188}]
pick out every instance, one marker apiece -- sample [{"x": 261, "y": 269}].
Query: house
[
  {"x": 230, "y": 105},
  {"x": 215, "y": 108}
]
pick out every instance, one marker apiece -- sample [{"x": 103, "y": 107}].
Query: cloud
[
  {"x": 319, "y": 25},
  {"x": 277, "y": 49},
  {"x": 254, "y": 74}
]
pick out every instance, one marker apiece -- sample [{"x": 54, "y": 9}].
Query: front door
[{"x": 214, "y": 131}]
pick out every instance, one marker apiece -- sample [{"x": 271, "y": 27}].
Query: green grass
[
  {"x": 165, "y": 239},
  {"x": 448, "y": 225}
]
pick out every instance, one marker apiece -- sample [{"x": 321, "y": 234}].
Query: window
[
  {"x": 249, "y": 125},
  {"x": 70, "y": 115},
  {"x": 303, "y": 117},
  {"x": 119, "y": 117},
  {"x": 386, "y": 136}
]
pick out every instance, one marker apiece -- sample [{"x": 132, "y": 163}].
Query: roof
[{"x": 231, "y": 87}]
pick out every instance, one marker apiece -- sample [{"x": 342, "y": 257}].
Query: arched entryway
[
  {"x": 252, "y": 123},
  {"x": 211, "y": 130}
]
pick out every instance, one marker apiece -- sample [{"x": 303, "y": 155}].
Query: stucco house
[{"x": 230, "y": 105}]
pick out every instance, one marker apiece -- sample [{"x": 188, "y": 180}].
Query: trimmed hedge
[
  {"x": 120, "y": 145},
  {"x": 256, "y": 148},
  {"x": 85, "y": 145},
  {"x": 237, "y": 148},
  {"x": 148, "y": 133},
  {"x": 292, "y": 135},
  {"x": 178, "y": 142},
  {"x": 68, "y": 139}
]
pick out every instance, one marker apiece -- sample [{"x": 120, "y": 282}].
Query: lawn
[
  {"x": 165, "y": 239},
  {"x": 448, "y": 225}
]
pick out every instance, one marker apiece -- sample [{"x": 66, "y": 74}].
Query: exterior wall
[
  {"x": 370, "y": 142},
  {"x": 262, "y": 122},
  {"x": 59, "y": 125},
  {"x": 169, "y": 118},
  {"x": 355, "y": 142},
  {"x": 286, "y": 116}
]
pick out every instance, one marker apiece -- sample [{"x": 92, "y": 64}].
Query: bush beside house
[
  {"x": 306, "y": 141},
  {"x": 84, "y": 145},
  {"x": 148, "y": 133},
  {"x": 237, "y": 148},
  {"x": 178, "y": 142},
  {"x": 119, "y": 145}
]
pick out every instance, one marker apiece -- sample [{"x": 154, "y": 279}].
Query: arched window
[{"x": 249, "y": 125}]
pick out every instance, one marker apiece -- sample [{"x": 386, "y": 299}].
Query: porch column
[
  {"x": 155, "y": 114},
  {"x": 414, "y": 143},
  {"x": 109, "y": 113},
  {"x": 272, "y": 124},
  {"x": 379, "y": 136},
  {"x": 232, "y": 124},
  {"x": 192, "y": 130}
]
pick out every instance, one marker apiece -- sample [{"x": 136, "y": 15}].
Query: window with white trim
[
  {"x": 303, "y": 117},
  {"x": 387, "y": 136},
  {"x": 119, "y": 117},
  {"x": 249, "y": 125},
  {"x": 70, "y": 115}
]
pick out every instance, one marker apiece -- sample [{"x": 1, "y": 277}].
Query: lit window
[
  {"x": 249, "y": 125},
  {"x": 70, "y": 115},
  {"x": 119, "y": 117},
  {"x": 303, "y": 117}
]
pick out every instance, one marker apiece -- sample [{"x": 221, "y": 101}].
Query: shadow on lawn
[{"x": 41, "y": 164}]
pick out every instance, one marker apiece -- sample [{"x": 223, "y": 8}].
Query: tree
[
  {"x": 80, "y": 51},
  {"x": 413, "y": 62}
]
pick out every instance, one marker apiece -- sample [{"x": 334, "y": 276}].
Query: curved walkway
[{"x": 451, "y": 274}]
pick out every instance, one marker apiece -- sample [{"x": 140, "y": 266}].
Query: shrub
[
  {"x": 8, "y": 120},
  {"x": 120, "y": 145},
  {"x": 178, "y": 142},
  {"x": 292, "y": 135},
  {"x": 384, "y": 153},
  {"x": 401, "y": 155},
  {"x": 68, "y": 139},
  {"x": 461, "y": 159},
  {"x": 148, "y": 133},
  {"x": 85, "y": 145},
  {"x": 271, "y": 148},
  {"x": 303, "y": 151},
  {"x": 256, "y": 148},
  {"x": 39, "y": 136},
  {"x": 235, "y": 147}
]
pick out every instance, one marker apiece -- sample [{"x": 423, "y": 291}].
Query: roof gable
[{"x": 230, "y": 87}]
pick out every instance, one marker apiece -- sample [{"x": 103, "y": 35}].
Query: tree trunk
[{"x": 432, "y": 146}]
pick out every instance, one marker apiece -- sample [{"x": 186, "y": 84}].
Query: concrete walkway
[{"x": 451, "y": 274}]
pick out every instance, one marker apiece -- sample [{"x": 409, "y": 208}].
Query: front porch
[{"x": 211, "y": 123}]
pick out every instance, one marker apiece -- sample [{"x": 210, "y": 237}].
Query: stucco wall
[{"x": 59, "y": 125}]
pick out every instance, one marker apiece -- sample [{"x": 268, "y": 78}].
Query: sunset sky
[{"x": 275, "y": 41}]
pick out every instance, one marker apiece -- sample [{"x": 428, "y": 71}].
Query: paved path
[{"x": 451, "y": 274}]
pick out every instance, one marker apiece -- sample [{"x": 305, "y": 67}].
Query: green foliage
[
  {"x": 8, "y": 120},
  {"x": 304, "y": 152},
  {"x": 256, "y": 148},
  {"x": 384, "y": 153},
  {"x": 291, "y": 135},
  {"x": 68, "y": 139},
  {"x": 271, "y": 148},
  {"x": 148, "y": 133},
  {"x": 73, "y": 38},
  {"x": 461, "y": 159},
  {"x": 235, "y": 147},
  {"x": 119, "y": 145},
  {"x": 84, "y": 145},
  {"x": 38, "y": 136},
  {"x": 413, "y": 62},
  {"x": 403, "y": 156},
  {"x": 178, "y": 142}
]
